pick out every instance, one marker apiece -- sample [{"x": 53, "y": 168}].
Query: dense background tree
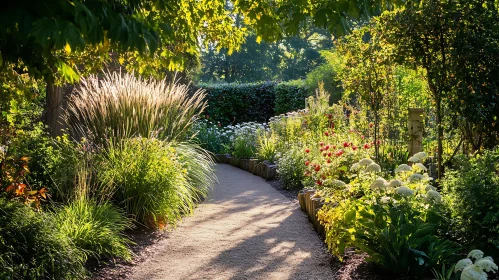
[{"x": 287, "y": 59}]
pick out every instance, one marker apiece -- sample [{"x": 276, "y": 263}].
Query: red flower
[
  {"x": 307, "y": 151},
  {"x": 371, "y": 125},
  {"x": 321, "y": 144},
  {"x": 334, "y": 147},
  {"x": 323, "y": 177},
  {"x": 332, "y": 125},
  {"x": 318, "y": 182},
  {"x": 362, "y": 137},
  {"x": 326, "y": 133},
  {"x": 321, "y": 149},
  {"x": 329, "y": 154},
  {"x": 326, "y": 148},
  {"x": 354, "y": 147},
  {"x": 366, "y": 146},
  {"x": 307, "y": 163},
  {"x": 219, "y": 125},
  {"x": 378, "y": 142},
  {"x": 345, "y": 144},
  {"x": 328, "y": 160},
  {"x": 330, "y": 116},
  {"x": 339, "y": 153},
  {"x": 317, "y": 168},
  {"x": 324, "y": 154}
]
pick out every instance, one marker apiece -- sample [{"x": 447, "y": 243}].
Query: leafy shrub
[
  {"x": 95, "y": 229},
  {"x": 32, "y": 247},
  {"x": 394, "y": 222},
  {"x": 253, "y": 102},
  {"x": 290, "y": 97},
  {"x": 244, "y": 148},
  {"x": 123, "y": 106},
  {"x": 153, "y": 179},
  {"x": 291, "y": 168},
  {"x": 237, "y": 103},
  {"x": 326, "y": 74},
  {"x": 472, "y": 192},
  {"x": 212, "y": 137}
]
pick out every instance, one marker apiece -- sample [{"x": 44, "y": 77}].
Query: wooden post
[{"x": 415, "y": 126}]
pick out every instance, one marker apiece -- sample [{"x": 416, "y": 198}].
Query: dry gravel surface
[{"x": 245, "y": 229}]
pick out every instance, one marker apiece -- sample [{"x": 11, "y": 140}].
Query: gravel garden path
[{"x": 245, "y": 229}]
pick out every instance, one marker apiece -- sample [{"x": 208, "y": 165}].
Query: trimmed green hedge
[{"x": 236, "y": 103}]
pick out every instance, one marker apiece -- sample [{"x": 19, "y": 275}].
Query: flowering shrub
[
  {"x": 477, "y": 270},
  {"x": 394, "y": 221}
]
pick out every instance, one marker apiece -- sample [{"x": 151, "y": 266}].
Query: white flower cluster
[
  {"x": 369, "y": 165},
  {"x": 403, "y": 168},
  {"x": 477, "y": 270},
  {"x": 379, "y": 184},
  {"x": 404, "y": 191},
  {"x": 419, "y": 157},
  {"x": 395, "y": 183},
  {"x": 338, "y": 183},
  {"x": 433, "y": 196},
  {"x": 373, "y": 167}
]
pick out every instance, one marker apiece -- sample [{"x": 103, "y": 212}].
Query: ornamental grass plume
[{"x": 118, "y": 106}]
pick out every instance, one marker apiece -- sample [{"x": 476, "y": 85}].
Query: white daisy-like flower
[
  {"x": 403, "y": 168},
  {"x": 404, "y": 191},
  {"x": 420, "y": 166},
  {"x": 433, "y": 196},
  {"x": 395, "y": 183},
  {"x": 487, "y": 265},
  {"x": 373, "y": 167},
  {"x": 473, "y": 272},
  {"x": 379, "y": 184},
  {"x": 475, "y": 254},
  {"x": 430, "y": 188},
  {"x": 416, "y": 177},
  {"x": 366, "y": 162},
  {"x": 355, "y": 167},
  {"x": 462, "y": 264}
]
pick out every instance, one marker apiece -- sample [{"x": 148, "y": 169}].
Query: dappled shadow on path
[{"x": 244, "y": 230}]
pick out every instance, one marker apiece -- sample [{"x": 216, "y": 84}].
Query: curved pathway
[{"x": 245, "y": 229}]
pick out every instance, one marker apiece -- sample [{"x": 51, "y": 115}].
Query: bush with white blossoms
[{"x": 477, "y": 270}]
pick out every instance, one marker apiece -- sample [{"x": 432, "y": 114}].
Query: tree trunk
[
  {"x": 440, "y": 136},
  {"x": 54, "y": 109}
]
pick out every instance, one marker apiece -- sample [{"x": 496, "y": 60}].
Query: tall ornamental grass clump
[
  {"x": 32, "y": 247},
  {"x": 156, "y": 182},
  {"x": 119, "y": 106}
]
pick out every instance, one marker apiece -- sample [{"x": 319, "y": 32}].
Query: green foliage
[
  {"x": 123, "y": 106},
  {"x": 155, "y": 182},
  {"x": 32, "y": 247},
  {"x": 327, "y": 74},
  {"x": 258, "y": 102},
  {"x": 244, "y": 148},
  {"x": 291, "y": 169},
  {"x": 211, "y": 137},
  {"x": 266, "y": 149},
  {"x": 472, "y": 189},
  {"x": 290, "y": 97},
  {"x": 95, "y": 229}
]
